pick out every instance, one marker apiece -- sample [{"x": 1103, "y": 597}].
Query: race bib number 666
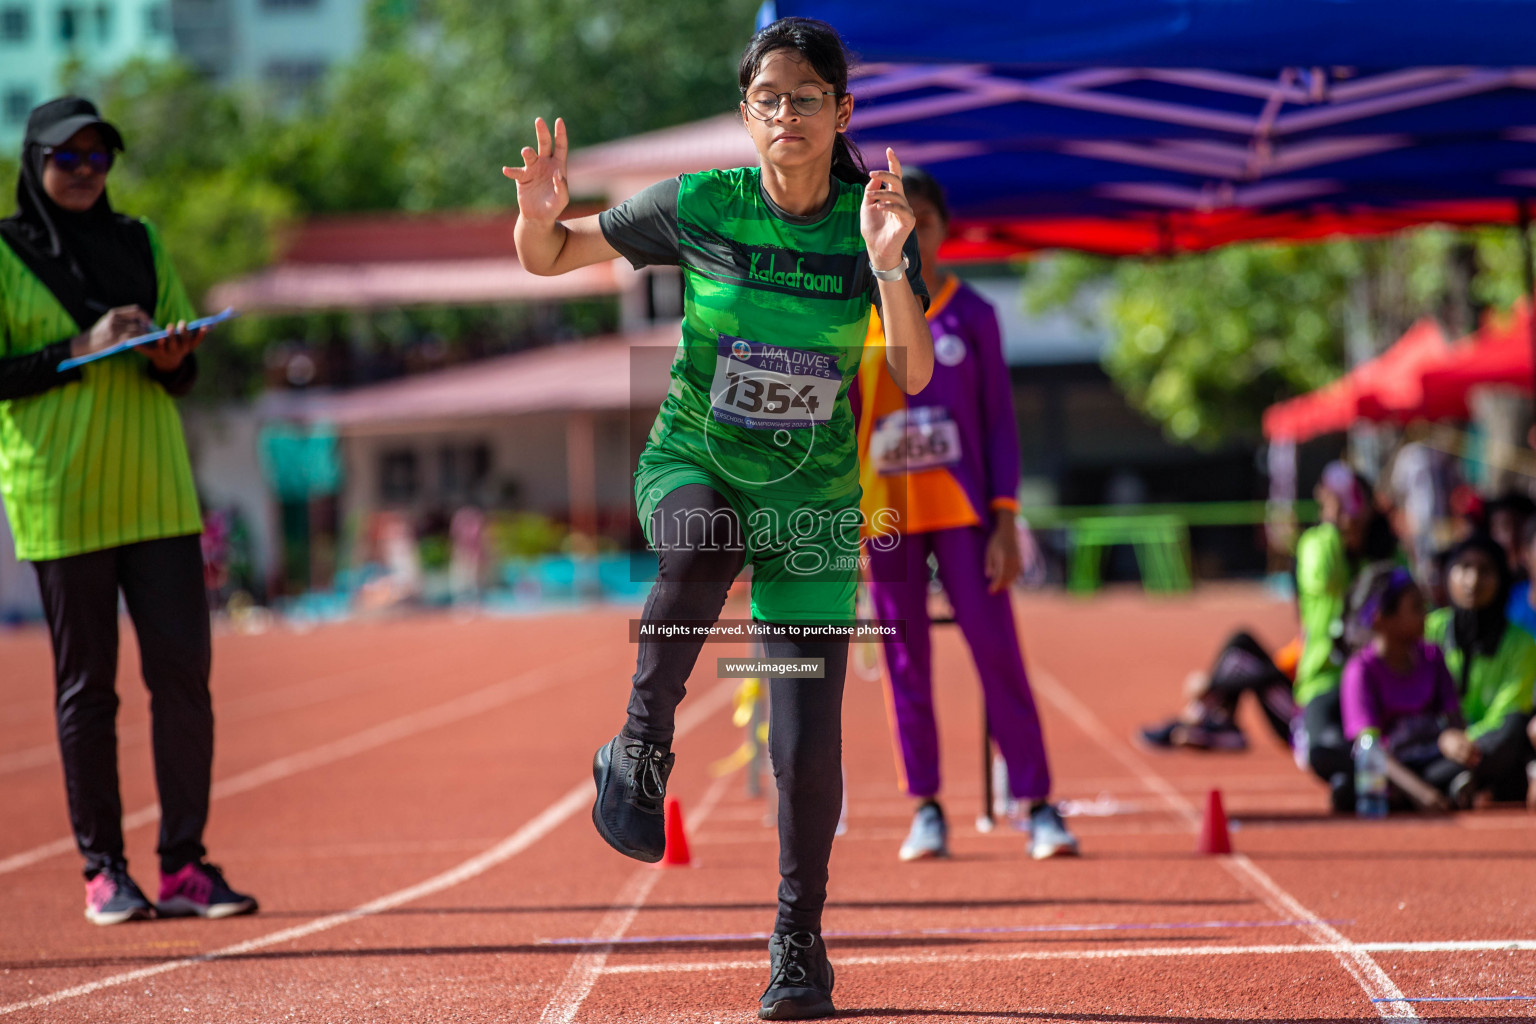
[{"x": 768, "y": 387}]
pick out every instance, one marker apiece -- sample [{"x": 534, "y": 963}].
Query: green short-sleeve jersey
[
  {"x": 101, "y": 461},
  {"x": 775, "y": 310},
  {"x": 1495, "y": 687}
]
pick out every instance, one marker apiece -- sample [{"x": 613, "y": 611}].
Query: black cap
[{"x": 55, "y": 122}]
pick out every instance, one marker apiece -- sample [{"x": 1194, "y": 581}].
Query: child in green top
[
  {"x": 1326, "y": 563},
  {"x": 1493, "y": 663}
]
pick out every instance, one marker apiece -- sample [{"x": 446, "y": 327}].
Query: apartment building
[{"x": 41, "y": 39}]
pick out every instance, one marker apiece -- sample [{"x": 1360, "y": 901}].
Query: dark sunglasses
[{"x": 70, "y": 160}]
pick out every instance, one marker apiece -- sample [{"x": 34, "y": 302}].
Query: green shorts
[{"x": 804, "y": 557}]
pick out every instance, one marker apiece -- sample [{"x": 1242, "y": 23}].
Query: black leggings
[
  {"x": 1506, "y": 751},
  {"x": 1501, "y": 770},
  {"x": 1329, "y": 751},
  {"x": 162, "y": 583},
  {"x": 699, "y": 545},
  {"x": 1244, "y": 666}
]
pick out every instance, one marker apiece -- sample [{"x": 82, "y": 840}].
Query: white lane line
[
  {"x": 588, "y": 966},
  {"x": 1386, "y": 997},
  {"x": 234, "y": 709},
  {"x": 537, "y": 829},
  {"x": 29, "y": 757},
  {"x": 543, "y": 824},
  {"x": 1085, "y": 719},
  {"x": 467, "y": 706},
  {"x": 1292, "y": 949}
]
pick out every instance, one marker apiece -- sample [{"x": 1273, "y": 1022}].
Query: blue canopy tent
[
  {"x": 1157, "y": 126},
  {"x": 1144, "y": 126}
]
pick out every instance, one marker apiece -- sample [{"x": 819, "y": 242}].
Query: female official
[
  {"x": 752, "y": 458},
  {"x": 98, "y": 487},
  {"x": 940, "y": 470}
]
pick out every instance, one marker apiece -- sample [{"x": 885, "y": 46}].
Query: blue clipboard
[{"x": 145, "y": 339}]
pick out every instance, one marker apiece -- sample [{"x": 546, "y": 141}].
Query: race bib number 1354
[{"x": 768, "y": 387}]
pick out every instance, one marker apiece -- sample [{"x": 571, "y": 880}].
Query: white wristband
[{"x": 895, "y": 273}]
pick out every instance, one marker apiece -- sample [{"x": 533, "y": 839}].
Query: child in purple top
[{"x": 1396, "y": 684}]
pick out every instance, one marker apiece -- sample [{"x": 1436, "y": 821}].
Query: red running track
[{"x": 410, "y": 801}]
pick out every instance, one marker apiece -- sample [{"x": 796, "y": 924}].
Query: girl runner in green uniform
[{"x": 753, "y": 457}]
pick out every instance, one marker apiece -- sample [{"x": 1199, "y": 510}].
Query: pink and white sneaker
[
  {"x": 112, "y": 897},
  {"x": 199, "y": 889}
]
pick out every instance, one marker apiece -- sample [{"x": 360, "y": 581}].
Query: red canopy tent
[
  {"x": 1387, "y": 388},
  {"x": 1500, "y": 354}
]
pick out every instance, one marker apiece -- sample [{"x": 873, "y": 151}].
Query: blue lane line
[
  {"x": 1454, "y": 999},
  {"x": 643, "y": 940}
]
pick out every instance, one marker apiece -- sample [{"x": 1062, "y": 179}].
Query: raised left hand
[
  {"x": 886, "y": 218},
  {"x": 167, "y": 353}
]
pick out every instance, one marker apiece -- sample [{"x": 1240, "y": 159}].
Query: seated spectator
[
  {"x": 1493, "y": 665},
  {"x": 1209, "y": 720},
  {"x": 1397, "y": 687},
  {"x": 1521, "y": 607},
  {"x": 1506, "y": 518},
  {"x": 1326, "y": 559}
]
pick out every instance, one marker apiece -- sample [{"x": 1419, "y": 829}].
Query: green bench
[
  {"x": 1161, "y": 544},
  {"x": 1159, "y": 534}
]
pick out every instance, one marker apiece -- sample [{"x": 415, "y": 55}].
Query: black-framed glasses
[
  {"x": 805, "y": 101},
  {"x": 70, "y": 160}
]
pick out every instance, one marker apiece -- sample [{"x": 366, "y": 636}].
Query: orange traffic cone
[
  {"x": 677, "y": 837},
  {"x": 1214, "y": 836}
]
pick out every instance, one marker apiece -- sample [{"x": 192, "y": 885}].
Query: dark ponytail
[
  {"x": 920, "y": 184},
  {"x": 822, "y": 48},
  {"x": 1378, "y": 591}
]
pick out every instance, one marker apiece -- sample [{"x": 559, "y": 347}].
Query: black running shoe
[
  {"x": 111, "y": 897},
  {"x": 1462, "y": 791},
  {"x": 800, "y": 978},
  {"x": 199, "y": 890},
  {"x": 1341, "y": 793},
  {"x": 1159, "y": 737},
  {"x": 631, "y": 792},
  {"x": 1211, "y": 735}
]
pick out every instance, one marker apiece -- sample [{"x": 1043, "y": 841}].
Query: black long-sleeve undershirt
[{"x": 37, "y": 372}]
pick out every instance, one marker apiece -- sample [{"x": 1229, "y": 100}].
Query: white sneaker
[{"x": 929, "y": 836}]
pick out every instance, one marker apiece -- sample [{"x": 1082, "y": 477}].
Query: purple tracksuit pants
[{"x": 899, "y": 589}]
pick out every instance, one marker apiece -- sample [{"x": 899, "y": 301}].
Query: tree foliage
[
  {"x": 442, "y": 96},
  {"x": 1202, "y": 343}
]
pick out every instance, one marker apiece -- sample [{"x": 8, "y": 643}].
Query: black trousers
[
  {"x": 162, "y": 583},
  {"x": 1244, "y": 666},
  {"x": 1506, "y": 750},
  {"x": 1329, "y": 751},
  {"x": 701, "y": 556},
  {"x": 1501, "y": 769}
]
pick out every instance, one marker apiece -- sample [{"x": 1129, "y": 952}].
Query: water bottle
[{"x": 1370, "y": 776}]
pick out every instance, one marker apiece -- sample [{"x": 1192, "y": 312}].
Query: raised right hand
[
  {"x": 542, "y": 194},
  {"x": 115, "y": 325}
]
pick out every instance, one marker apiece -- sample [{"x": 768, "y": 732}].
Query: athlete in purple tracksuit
[{"x": 940, "y": 470}]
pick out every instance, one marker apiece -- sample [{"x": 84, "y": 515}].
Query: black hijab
[
  {"x": 1479, "y": 631},
  {"x": 91, "y": 261}
]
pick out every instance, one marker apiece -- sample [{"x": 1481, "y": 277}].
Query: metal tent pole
[
  {"x": 1528, "y": 270},
  {"x": 985, "y": 821}
]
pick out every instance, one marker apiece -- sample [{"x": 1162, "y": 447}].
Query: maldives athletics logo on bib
[{"x": 949, "y": 350}]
